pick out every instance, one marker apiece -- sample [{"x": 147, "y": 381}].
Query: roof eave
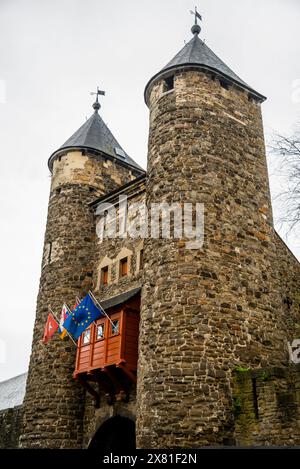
[
  {"x": 182, "y": 67},
  {"x": 137, "y": 181},
  {"x": 60, "y": 151}
]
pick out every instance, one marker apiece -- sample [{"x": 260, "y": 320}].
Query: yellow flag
[{"x": 63, "y": 334}]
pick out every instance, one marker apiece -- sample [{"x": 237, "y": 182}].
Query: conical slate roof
[
  {"x": 95, "y": 135},
  {"x": 197, "y": 53}
]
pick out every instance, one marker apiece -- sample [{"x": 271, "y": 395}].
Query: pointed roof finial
[
  {"x": 196, "y": 28},
  {"x": 96, "y": 104}
]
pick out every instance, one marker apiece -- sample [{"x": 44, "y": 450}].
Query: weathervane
[
  {"x": 96, "y": 104},
  {"x": 196, "y": 27}
]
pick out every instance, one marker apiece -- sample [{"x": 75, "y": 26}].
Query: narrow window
[
  {"x": 123, "y": 267},
  {"x": 104, "y": 221},
  {"x": 115, "y": 327},
  {"x": 86, "y": 336},
  {"x": 255, "y": 398},
  {"x": 141, "y": 259},
  {"x": 100, "y": 331},
  {"x": 50, "y": 252},
  {"x": 224, "y": 84},
  {"x": 169, "y": 83},
  {"x": 104, "y": 275}
]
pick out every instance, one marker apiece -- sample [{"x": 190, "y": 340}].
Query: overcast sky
[{"x": 54, "y": 52}]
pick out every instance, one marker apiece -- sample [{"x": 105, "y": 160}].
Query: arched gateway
[{"x": 115, "y": 434}]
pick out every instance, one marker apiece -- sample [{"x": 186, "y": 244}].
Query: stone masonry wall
[
  {"x": 267, "y": 407},
  {"x": 94, "y": 418},
  {"x": 289, "y": 273},
  {"x": 98, "y": 172},
  {"x": 206, "y": 311},
  {"x": 54, "y": 402},
  {"x": 10, "y": 426},
  {"x": 108, "y": 252}
]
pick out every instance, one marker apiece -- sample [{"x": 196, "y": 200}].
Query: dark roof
[
  {"x": 12, "y": 391},
  {"x": 95, "y": 135},
  {"x": 197, "y": 53},
  {"x": 119, "y": 299}
]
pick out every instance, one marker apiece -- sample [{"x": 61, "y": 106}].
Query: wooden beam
[
  {"x": 115, "y": 382},
  {"x": 126, "y": 370},
  {"x": 90, "y": 390}
]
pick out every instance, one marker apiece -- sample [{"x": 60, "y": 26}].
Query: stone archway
[{"x": 115, "y": 434}]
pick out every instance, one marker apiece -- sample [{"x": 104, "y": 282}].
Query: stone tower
[
  {"x": 89, "y": 164},
  {"x": 205, "y": 311}
]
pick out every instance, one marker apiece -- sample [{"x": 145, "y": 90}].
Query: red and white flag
[
  {"x": 50, "y": 327},
  {"x": 63, "y": 316}
]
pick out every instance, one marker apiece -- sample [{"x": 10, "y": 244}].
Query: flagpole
[
  {"x": 58, "y": 322},
  {"x": 70, "y": 312},
  {"x": 79, "y": 301},
  {"x": 68, "y": 308},
  {"x": 99, "y": 305}
]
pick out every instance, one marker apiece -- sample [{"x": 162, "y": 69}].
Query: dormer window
[
  {"x": 120, "y": 152},
  {"x": 168, "y": 84}
]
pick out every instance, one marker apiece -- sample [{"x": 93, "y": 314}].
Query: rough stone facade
[
  {"x": 95, "y": 418},
  {"x": 288, "y": 269},
  {"x": 213, "y": 363},
  {"x": 107, "y": 253},
  {"x": 205, "y": 311},
  {"x": 54, "y": 402},
  {"x": 266, "y": 407},
  {"x": 10, "y": 427}
]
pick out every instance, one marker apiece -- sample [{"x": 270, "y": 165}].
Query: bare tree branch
[{"x": 287, "y": 149}]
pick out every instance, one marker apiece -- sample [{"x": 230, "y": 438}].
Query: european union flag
[{"x": 82, "y": 316}]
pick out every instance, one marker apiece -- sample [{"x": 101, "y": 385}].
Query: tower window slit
[
  {"x": 224, "y": 84},
  {"x": 168, "y": 83},
  {"x": 141, "y": 259},
  {"x": 50, "y": 252},
  {"x": 255, "y": 398}
]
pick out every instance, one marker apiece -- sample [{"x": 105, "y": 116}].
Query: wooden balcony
[{"x": 107, "y": 351}]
